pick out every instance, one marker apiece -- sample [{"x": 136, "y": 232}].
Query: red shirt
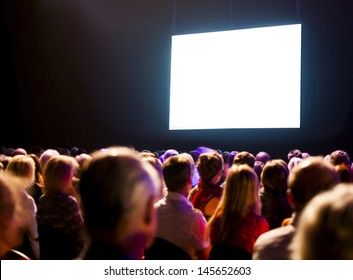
[{"x": 250, "y": 228}]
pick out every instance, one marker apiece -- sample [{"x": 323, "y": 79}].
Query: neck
[{"x": 134, "y": 245}]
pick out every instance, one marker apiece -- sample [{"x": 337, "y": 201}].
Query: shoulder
[{"x": 274, "y": 243}]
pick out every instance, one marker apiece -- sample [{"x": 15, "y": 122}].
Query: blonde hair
[
  {"x": 240, "y": 196},
  {"x": 22, "y": 167},
  {"x": 325, "y": 229},
  {"x": 58, "y": 173}
]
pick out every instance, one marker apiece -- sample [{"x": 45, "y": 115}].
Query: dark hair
[
  {"x": 209, "y": 164},
  {"x": 340, "y": 157},
  {"x": 244, "y": 158},
  {"x": 176, "y": 173},
  {"x": 294, "y": 153}
]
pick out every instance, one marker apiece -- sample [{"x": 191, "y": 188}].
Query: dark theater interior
[
  {"x": 102, "y": 156},
  {"x": 96, "y": 73}
]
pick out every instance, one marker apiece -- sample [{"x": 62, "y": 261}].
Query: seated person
[
  {"x": 178, "y": 221},
  {"x": 118, "y": 191}
]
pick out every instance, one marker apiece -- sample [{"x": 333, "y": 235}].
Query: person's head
[
  {"x": 210, "y": 167},
  {"x": 168, "y": 153},
  {"x": 241, "y": 192},
  {"x": 46, "y": 155},
  {"x": 310, "y": 177},
  {"x": 22, "y": 167},
  {"x": 231, "y": 157},
  {"x": 274, "y": 176},
  {"x": 177, "y": 172},
  {"x": 294, "y": 153},
  {"x": 10, "y": 218},
  {"x": 325, "y": 228},
  {"x": 293, "y": 162},
  {"x": 151, "y": 158},
  {"x": 58, "y": 174},
  {"x": 19, "y": 151},
  {"x": 81, "y": 158},
  {"x": 38, "y": 174},
  {"x": 345, "y": 173},
  {"x": 118, "y": 190},
  {"x": 240, "y": 196},
  {"x": 258, "y": 167},
  {"x": 244, "y": 158},
  {"x": 263, "y": 157},
  {"x": 339, "y": 157}
]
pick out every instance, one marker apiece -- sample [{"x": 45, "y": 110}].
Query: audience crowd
[{"x": 120, "y": 203}]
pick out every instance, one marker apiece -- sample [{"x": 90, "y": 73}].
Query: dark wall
[{"x": 94, "y": 73}]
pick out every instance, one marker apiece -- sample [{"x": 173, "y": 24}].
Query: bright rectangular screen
[{"x": 247, "y": 78}]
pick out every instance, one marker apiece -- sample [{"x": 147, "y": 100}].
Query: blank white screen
[{"x": 248, "y": 78}]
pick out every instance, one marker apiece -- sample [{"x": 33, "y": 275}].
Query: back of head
[
  {"x": 244, "y": 158},
  {"x": 293, "y": 162},
  {"x": 263, "y": 157},
  {"x": 157, "y": 165},
  {"x": 58, "y": 173},
  {"x": 240, "y": 196},
  {"x": 231, "y": 157},
  {"x": 345, "y": 173},
  {"x": 168, "y": 153},
  {"x": 208, "y": 165},
  {"x": 325, "y": 229},
  {"x": 19, "y": 151},
  {"x": 46, "y": 155},
  {"x": 241, "y": 191},
  {"x": 116, "y": 186},
  {"x": 339, "y": 157},
  {"x": 274, "y": 176},
  {"x": 310, "y": 177},
  {"x": 22, "y": 167},
  {"x": 294, "y": 153},
  {"x": 177, "y": 172}
]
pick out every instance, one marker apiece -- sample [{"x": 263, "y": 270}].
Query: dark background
[{"x": 95, "y": 73}]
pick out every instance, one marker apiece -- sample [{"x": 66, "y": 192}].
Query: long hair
[{"x": 240, "y": 196}]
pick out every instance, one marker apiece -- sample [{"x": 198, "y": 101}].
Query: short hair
[
  {"x": 310, "y": 177},
  {"x": 209, "y": 164},
  {"x": 168, "y": 153},
  {"x": 263, "y": 157},
  {"x": 23, "y": 167},
  {"x": 177, "y": 173},
  {"x": 58, "y": 172},
  {"x": 294, "y": 153},
  {"x": 115, "y": 186},
  {"x": 293, "y": 162},
  {"x": 231, "y": 157},
  {"x": 19, "y": 151},
  {"x": 258, "y": 167},
  {"x": 325, "y": 228},
  {"x": 345, "y": 173},
  {"x": 339, "y": 157},
  {"x": 244, "y": 158},
  {"x": 46, "y": 155},
  {"x": 275, "y": 174}
]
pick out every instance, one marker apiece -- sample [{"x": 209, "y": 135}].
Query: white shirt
[{"x": 181, "y": 224}]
